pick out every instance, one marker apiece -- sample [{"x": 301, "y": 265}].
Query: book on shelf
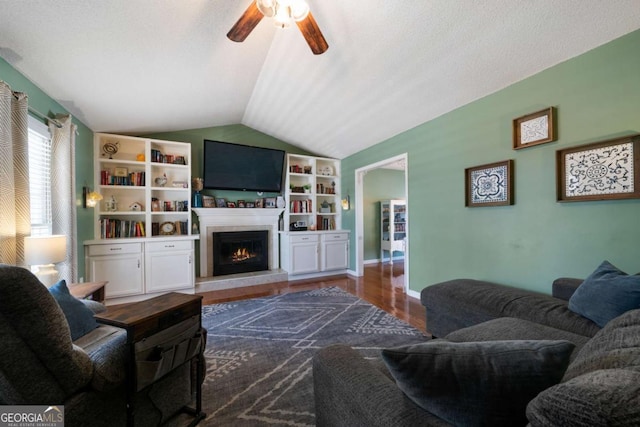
[
  {"x": 325, "y": 223},
  {"x": 301, "y": 206},
  {"x": 112, "y": 228},
  {"x": 130, "y": 179}
]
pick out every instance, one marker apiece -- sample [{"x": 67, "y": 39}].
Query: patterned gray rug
[{"x": 259, "y": 352}]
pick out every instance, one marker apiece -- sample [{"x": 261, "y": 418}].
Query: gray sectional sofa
[{"x": 600, "y": 384}]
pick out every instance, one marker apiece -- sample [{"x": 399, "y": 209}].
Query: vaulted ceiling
[{"x": 140, "y": 66}]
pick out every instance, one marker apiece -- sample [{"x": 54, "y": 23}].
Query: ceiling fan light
[
  {"x": 299, "y": 10},
  {"x": 267, "y": 7},
  {"x": 282, "y": 18}
]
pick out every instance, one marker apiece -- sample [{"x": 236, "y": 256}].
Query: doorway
[{"x": 397, "y": 162}]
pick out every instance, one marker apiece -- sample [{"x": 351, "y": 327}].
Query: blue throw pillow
[
  {"x": 79, "y": 317},
  {"x": 606, "y": 294},
  {"x": 478, "y": 383}
]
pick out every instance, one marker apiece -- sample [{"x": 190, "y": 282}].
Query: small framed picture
[
  {"x": 534, "y": 129},
  {"x": 270, "y": 202},
  {"x": 241, "y": 203},
  {"x": 259, "y": 203},
  {"x": 119, "y": 171},
  {"x": 251, "y": 205},
  {"x": 208, "y": 202},
  {"x": 221, "y": 203},
  {"x": 231, "y": 204},
  {"x": 489, "y": 185},
  {"x": 155, "y": 205},
  {"x": 603, "y": 170}
]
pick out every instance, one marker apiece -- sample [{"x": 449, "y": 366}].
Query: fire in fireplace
[{"x": 240, "y": 252}]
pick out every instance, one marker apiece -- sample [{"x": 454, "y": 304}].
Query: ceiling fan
[{"x": 283, "y": 12}]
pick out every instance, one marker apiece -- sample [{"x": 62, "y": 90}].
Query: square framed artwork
[
  {"x": 599, "y": 171},
  {"x": 221, "y": 202},
  {"x": 534, "y": 129},
  {"x": 489, "y": 185}
]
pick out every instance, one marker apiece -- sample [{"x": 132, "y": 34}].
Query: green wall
[
  {"x": 84, "y": 149},
  {"x": 529, "y": 244},
  {"x": 379, "y": 184}
]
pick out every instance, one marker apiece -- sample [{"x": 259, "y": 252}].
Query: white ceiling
[{"x": 140, "y": 66}]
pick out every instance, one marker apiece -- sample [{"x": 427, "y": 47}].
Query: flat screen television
[{"x": 230, "y": 166}]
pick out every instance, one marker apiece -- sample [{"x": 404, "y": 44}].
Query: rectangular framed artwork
[
  {"x": 599, "y": 171},
  {"x": 534, "y": 129},
  {"x": 489, "y": 185}
]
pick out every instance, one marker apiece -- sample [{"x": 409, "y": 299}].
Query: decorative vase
[
  {"x": 197, "y": 200},
  {"x": 280, "y": 202}
]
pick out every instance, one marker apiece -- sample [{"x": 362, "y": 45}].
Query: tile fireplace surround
[{"x": 237, "y": 219}]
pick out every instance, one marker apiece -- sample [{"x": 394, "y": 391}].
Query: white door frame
[{"x": 359, "y": 180}]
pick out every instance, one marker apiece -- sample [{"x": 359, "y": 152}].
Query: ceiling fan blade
[
  {"x": 313, "y": 35},
  {"x": 247, "y": 22}
]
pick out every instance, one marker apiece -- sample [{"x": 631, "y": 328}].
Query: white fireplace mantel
[{"x": 236, "y": 219}]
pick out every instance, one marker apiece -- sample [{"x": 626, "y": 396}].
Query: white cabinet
[
  {"x": 304, "y": 254},
  {"x": 393, "y": 227},
  {"x": 335, "y": 251},
  {"x": 120, "y": 264},
  {"x": 141, "y": 269},
  {"x": 314, "y": 253},
  {"x": 142, "y": 238},
  {"x": 169, "y": 266}
]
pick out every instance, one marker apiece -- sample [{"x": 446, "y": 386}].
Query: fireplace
[{"x": 240, "y": 252}]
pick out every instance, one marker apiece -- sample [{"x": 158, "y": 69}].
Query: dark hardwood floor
[{"x": 381, "y": 286}]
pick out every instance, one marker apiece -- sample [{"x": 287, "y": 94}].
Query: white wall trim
[{"x": 359, "y": 196}]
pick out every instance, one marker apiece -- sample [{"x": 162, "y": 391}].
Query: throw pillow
[
  {"x": 79, "y": 317},
  {"x": 478, "y": 383},
  {"x": 606, "y": 294}
]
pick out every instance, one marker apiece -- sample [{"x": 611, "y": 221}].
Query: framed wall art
[
  {"x": 599, "y": 171},
  {"x": 489, "y": 185},
  {"x": 534, "y": 129}
]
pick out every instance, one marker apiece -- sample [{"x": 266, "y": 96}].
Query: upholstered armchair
[{"x": 41, "y": 365}]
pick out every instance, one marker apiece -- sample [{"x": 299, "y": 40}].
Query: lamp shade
[{"x": 42, "y": 250}]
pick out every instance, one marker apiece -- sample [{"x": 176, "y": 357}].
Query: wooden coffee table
[
  {"x": 145, "y": 318},
  {"x": 91, "y": 290}
]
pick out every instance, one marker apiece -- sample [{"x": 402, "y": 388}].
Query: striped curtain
[
  {"x": 15, "y": 216},
  {"x": 63, "y": 191}
]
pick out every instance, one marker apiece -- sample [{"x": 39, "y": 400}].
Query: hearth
[{"x": 240, "y": 252}]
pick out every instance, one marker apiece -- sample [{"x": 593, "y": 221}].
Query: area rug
[{"x": 259, "y": 352}]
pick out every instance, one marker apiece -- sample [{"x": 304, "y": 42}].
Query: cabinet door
[
  {"x": 123, "y": 272},
  {"x": 335, "y": 255},
  {"x": 169, "y": 268},
  {"x": 304, "y": 257}
]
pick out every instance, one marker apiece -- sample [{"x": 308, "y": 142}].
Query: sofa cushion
[
  {"x": 509, "y": 328},
  {"x": 606, "y": 294},
  {"x": 609, "y": 397},
  {"x": 478, "y": 383},
  {"x": 79, "y": 317},
  {"x": 617, "y": 345}
]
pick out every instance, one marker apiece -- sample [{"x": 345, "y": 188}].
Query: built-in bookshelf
[
  {"x": 145, "y": 184},
  {"x": 312, "y": 193}
]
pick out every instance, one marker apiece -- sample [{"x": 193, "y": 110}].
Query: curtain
[
  {"x": 63, "y": 191},
  {"x": 15, "y": 216}
]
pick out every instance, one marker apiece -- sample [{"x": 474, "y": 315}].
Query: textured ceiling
[{"x": 135, "y": 66}]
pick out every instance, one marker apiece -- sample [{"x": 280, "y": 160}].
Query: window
[{"x": 40, "y": 178}]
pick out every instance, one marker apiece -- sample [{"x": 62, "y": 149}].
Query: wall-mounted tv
[{"x": 230, "y": 166}]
